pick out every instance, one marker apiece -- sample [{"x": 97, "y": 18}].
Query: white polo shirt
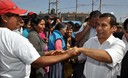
[
  {"x": 95, "y": 69},
  {"x": 16, "y": 55}
]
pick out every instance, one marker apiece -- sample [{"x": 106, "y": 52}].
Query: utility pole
[
  {"x": 48, "y": 6},
  {"x": 100, "y": 5},
  {"x": 92, "y": 5},
  {"x": 56, "y": 8},
  {"x": 76, "y": 9}
]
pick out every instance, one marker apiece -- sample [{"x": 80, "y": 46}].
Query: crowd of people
[{"x": 38, "y": 46}]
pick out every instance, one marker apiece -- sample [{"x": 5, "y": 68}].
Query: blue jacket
[{"x": 52, "y": 39}]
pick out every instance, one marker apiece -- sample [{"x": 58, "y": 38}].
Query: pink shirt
[{"x": 58, "y": 44}]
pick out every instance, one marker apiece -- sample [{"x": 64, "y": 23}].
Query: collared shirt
[{"x": 95, "y": 69}]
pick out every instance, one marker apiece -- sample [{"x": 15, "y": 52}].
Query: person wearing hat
[
  {"x": 119, "y": 31},
  {"x": 16, "y": 53},
  {"x": 31, "y": 15}
]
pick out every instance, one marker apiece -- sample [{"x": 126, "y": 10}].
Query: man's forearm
[
  {"x": 49, "y": 60},
  {"x": 82, "y": 34},
  {"x": 99, "y": 55}
]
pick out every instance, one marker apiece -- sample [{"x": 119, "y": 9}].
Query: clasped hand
[{"x": 71, "y": 51}]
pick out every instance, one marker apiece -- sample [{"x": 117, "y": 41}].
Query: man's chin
[{"x": 100, "y": 36}]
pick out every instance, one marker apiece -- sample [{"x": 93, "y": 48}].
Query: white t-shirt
[
  {"x": 19, "y": 30},
  {"x": 16, "y": 55},
  {"x": 95, "y": 69}
]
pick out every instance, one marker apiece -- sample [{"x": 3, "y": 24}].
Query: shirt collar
[{"x": 109, "y": 40}]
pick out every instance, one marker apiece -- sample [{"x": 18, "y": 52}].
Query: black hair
[
  {"x": 70, "y": 22},
  {"x": 86, "y": 19},
  {"x": 0, "y": 21},
  {"x": 48, "y": 17},
  {"x": 55, "y": 19},
  {"x": 26, "y": 20},
  {"x": 112, "y": 18},
  {"x": 95, "y": 13},
  {"x": 59, "y": 26},
  {"x": 36, "y": 21},
  {"x": 69, "y": 26},
  {"x": 32, "y": 16},
  {"x": 125, "y": 24}
]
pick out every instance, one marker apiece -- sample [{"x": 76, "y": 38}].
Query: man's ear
[{"x": 4, "y": 18}]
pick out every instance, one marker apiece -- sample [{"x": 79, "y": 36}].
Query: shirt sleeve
[
  {"x": 58, "y": 44},
  {"x": 81, "y": 28},
  {"x": 25, "y": 51},
  {"x": 117, "y": 53},
  {"x": 82, "y": 57}
]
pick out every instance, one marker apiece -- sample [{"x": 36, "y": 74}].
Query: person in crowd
[
  {"x": 119, "y": 27},
  {"x": 56, "y": 20},
  {"x": 43, "y": 36},
  {"x": 38, "y": 25},
  {"x": 88, "y": 29},
  {"x": 74, "y": 28},
  {"x": 104, "y": 52},
  {"x": 57, "y": 42},
  {"x": 124, "y": 66},
  {"x": 26, "y": 27},
  {"x": 70, "y": 42},
  {"x": 119, "y": 31},
  {"x": 48, "y": 25},
  {"x": 17, "y": 54},
  {"x": 31, "y": 15}
]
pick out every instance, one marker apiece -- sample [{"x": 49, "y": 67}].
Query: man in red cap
[{"x": 16, "y": 53}]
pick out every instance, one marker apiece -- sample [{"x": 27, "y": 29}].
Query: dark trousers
[
  {"x": 78, "y": 70},
  {"x": 124, "y": 66}
]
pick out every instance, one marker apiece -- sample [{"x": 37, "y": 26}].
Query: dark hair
[
  {"x": 69, "y": 26},
  {"x": 36, "y": 21},
  {"x": 0, "y": 20},
  {"x": 55, "y": 19},
  {"x": 26, "y": 20},
  {"x": 70, "y": 22},
  {"x": 112, "y": 18},
  {"x": 86, "y": 19},
  {"x": 125, "y": 24},
  {"x": 59, "y": 26},
  {"x": 48, "y": 17},
  {"x": 95, "y": 13},
  {"x": 34, "y": 15}
]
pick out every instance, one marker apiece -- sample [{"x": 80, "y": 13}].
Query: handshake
[{"x": 71, "y": 52}]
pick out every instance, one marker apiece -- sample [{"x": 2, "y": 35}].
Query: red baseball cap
[
  {"x": 31, "y": 13},
  {"x": 7, "y": 6}
]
